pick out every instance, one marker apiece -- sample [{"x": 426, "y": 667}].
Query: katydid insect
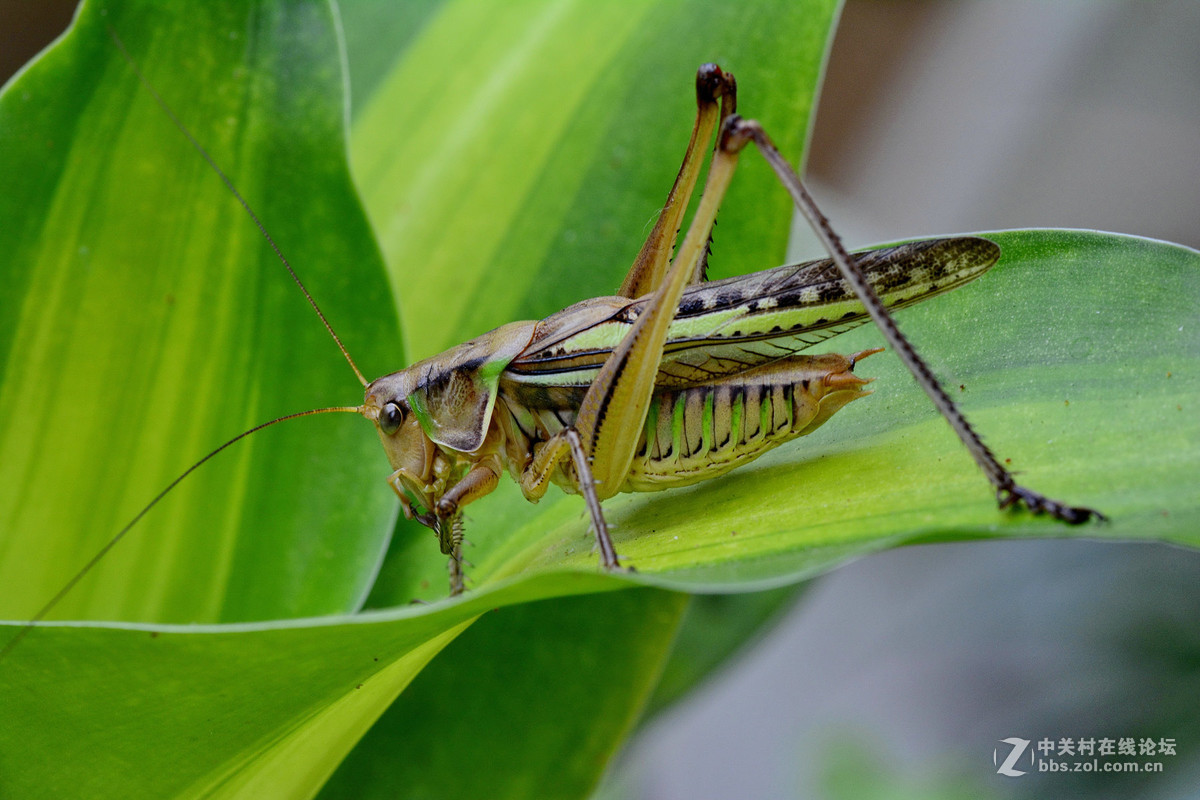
[
  {"x": 675, "y": 379},
  {"x": 671, "y": 381}
]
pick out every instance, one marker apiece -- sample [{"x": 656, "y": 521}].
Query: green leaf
[
  {"x": 147, "y": 321},
  {"x": 530, "y": 702},
  {"x": 161, "y": 324},
  {"x": 714, "y": 628},
  {"x": 264, "y": 709}
]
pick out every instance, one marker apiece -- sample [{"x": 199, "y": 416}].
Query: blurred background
[{"x": 898, "y": 675}]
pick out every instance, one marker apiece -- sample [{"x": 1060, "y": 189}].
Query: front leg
[
  {"x": 444, "y": 516},
  {"x": 480, "y": 480}
]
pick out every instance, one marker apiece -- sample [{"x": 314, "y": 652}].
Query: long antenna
[
  {"x": 111, "y": 543},
  {"x": 233, "y": 190}
]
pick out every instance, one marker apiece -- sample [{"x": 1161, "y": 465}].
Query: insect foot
[{"x": 1015, "y": 495}]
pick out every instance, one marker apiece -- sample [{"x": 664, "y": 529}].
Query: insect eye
[{"x": 390, "y": 418}]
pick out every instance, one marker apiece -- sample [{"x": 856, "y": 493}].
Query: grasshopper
[{"x": 673, "y": 380}]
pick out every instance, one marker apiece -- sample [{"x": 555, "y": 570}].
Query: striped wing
[{"x": 728, "y": 326}]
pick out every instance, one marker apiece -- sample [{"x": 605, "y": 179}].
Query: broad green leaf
[
  {"x": 147, "y": 320},
  {"x": 530, "y": 702},
  {"x": 1075, "y": 354},
  {"x": 714, "y": 628},
  {"x": 265, "y": 709}
]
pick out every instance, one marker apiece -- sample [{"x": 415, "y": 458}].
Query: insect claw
[
  {"x": 621, "y": 568},
  {"x": 1016, "y": 495}
]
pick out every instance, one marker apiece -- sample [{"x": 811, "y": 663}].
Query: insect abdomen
[{"x": 699, "y": 432}]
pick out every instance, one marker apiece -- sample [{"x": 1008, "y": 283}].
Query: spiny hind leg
[
  {"x": 612, "y": 413},
  {"x": 650, "y": 266},
  {"x": 736, "y": 133}
]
